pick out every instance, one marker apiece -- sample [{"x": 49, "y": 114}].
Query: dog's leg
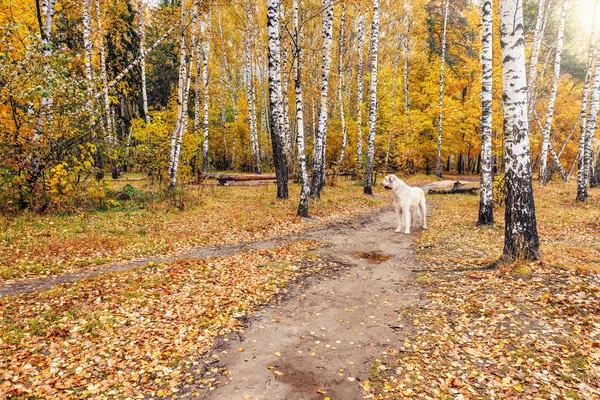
[
  {"x": 398, "y": 217},
  {"x": 423, "y": 207},
  {"x": 406, "y": 216}
]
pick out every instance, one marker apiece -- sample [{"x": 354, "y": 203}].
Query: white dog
[{"x": 406, "y": 201}]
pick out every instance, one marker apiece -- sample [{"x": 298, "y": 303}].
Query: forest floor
[{"x": 307, "y": 311}]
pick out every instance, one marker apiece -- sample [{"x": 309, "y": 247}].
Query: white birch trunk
[
  {"x": 46, "y": 102},
  {"x": 586, "y": 164},
  {"x": 582, "y": 178},
  {"x": 305, "y": 190},
  {"x": 368, "y": 189},
  {"x": 176, "y": 136},
  {"x": 406, "y": 70},
  {"x": 205, "y": 54},
  {"x": 486, "y": 214},
  {"x": 87, "y": 49},
  {"x": 228, "y": 75},
  {"x": 251, "y": 93},
  {"x": 520, "y": 239},
  {"x": 552, "y": 99},
  {"x": 319, "y": 145},
  {"x": 108, "y": 116},
  {"x": 341, "y": 49},
  {"x": 441, "y": 102},
  {"x": 276, "y": 99},
  {"x": 535, "y": 50},
  {"x": 359, "y": 91},
  {"x": 285, "y": 83},
  {"x": 142, "y": 36}
]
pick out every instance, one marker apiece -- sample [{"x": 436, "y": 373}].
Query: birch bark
[
  {"x": 551, "y": 101},
  {"x": 204, "y": 32},
  {"x": 368, "y": 188},
  {"x": 276, "y": 99},
  {"x": 582, "y": 174},
  {"x": 521, "y": 238},
  {"x": 142, "y": 36},
  {"x": 108, "y": 116},
  {"x": 441, "y": 112},
  {"x": 341, "y": 49},
  {"x": 590, "y": 128},
  {"x": 319, "y": 145},
  {"x": 486, "y": 212},
  {"x": 251, "y": 93},
  {"x": 359, "y": 91},
  {"x": 305, "y": 191}
]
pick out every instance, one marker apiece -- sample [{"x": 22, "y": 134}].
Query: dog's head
[{"x": 389, "y": 182}]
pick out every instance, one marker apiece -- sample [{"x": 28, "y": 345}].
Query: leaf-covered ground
[
  {"x": 33, "y": 245},
  {"x": 523, "y": 331},
  {"x": 137, "y": 333}
]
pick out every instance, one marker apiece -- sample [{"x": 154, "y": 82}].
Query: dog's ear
[{"x": 393, "y": 181}]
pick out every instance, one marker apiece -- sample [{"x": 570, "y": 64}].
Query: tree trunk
[
  {"x": 441, "y": 112},
  {"x": 582, "y": 178},
  {"x": 108, "y": 116},
  {"x": 228, "y": 75},
  {"x": 204, "y": 32},
  {"x": 552, "y": 99},
  {"x": 340, "y": 88},
  {"x": 183, "y": 81},
  {"x": 359, "y": 91},
  {"x": 305, "y": 191},
  {"x": 276, "y": 100},
  {"x": 141, "y": 34},
  {"x": 368, "y": 189},
  {"x": 535, "y": 50},
  {"x": 590, "y": 128},
  {"x": 319, "y": 145},
  {"x": 520, "y": 238},
  {"x": 406, "y": 68},
  {"x": 250, "y": 93},
  {"x": 486, "y": 210}
]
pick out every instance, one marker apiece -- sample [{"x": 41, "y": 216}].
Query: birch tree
[
  {"x": 359, "y": 90},
  {"x": 582, "y": 174},
  {"x": 535, "y": 49},
  {"x": 341, "y": 49},
  {"x": 441, "y": 102},
  {"x": 250, "y": 92},
  {"x": 486, "y": 213},
  {"x": 142, "y": 36},
  {"x": 319, "y": 145},
  {"x": 368, "y": 189},
  {"x": 586, "y": 164},
  {"x": 108, "y": 116},
  {"x": 305, "y": 190},
  {"x": 276, "y": 99},
  {"x": 182, "y": 95},
  {"x": 551, "y": 101},
  {"x": 45, "y": 112},
  {"x": 204, "y": 32},
  {"x": 520, "y": 237}
]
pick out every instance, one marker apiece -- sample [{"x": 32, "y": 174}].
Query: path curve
[{"x": 323, "y": 338}]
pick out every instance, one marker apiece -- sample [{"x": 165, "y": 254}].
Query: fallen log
[
  {"x": 224, "y": 178},
  {"x": 457, "y": 188}
]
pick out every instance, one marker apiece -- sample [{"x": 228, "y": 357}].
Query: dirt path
[
  {"x": 323, "y": 338},
  {"x": 44, "y": 283}
]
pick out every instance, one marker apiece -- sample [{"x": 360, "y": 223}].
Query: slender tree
[
  {"x": 441, "y": 111},
  {"x": 45, "y": 113},
  {"x": 204, "y": 32},
  {"x": 368, "y": 189},
  {"x": 108, "y": 116},
  {"x": 359, "y": 90},
  {"x": 341, "y": 49},
  {"x": 582, "y": 174},
  {"x": 535, "y": 49},
  {"x": 590, "y": 128},
  {"x": 142, "y": 36},
  {"x": 319, "y": 146},
  {"x": 250, "y": 91},
  {"x": 305, "y": 191},
  {"x": 547, "y": 128},
  {"x": 520, "y": 236},
  {"x": 486, "y": 212},
  {"x": 276, "y": 99}
]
